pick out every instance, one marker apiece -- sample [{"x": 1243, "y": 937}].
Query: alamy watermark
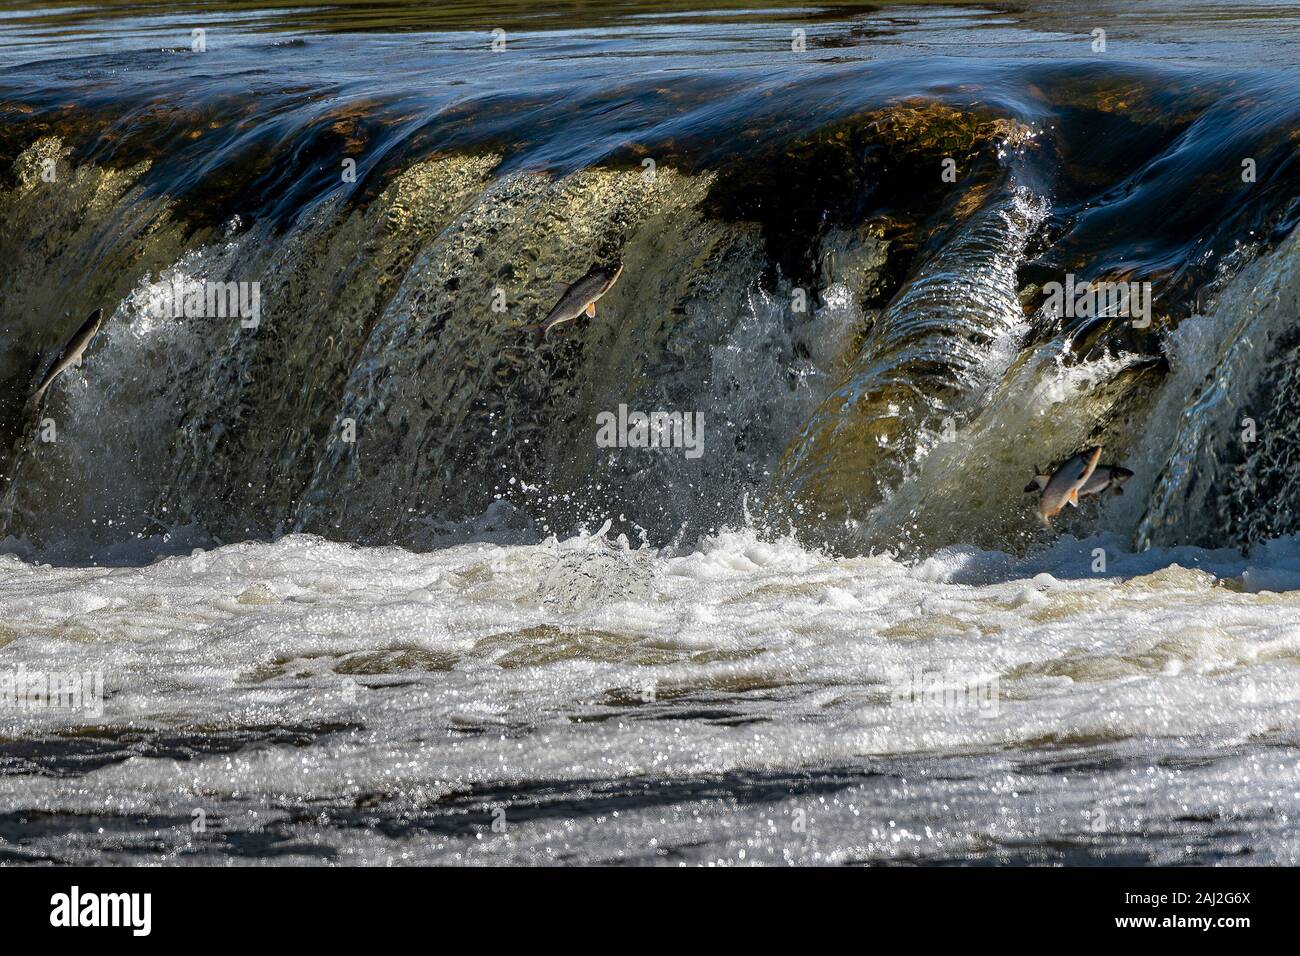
[
  {"x": 978, "y": 692},
  {"x": 206, "y": 299},
  {"x": 23, "y": 691},
  {"x": 1073, "y": 299},
  {"x": 656, "y": 429},
  {"x": 133, "y": 911}
]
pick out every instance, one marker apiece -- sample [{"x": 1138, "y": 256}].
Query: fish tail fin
[
  {"x": 538, "y": 332},
  {"x": 34, "y": 400},
  {"x": 1039, "y": 481}
]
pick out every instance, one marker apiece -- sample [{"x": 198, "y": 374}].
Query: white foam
[{"x": 487, "y": 682}]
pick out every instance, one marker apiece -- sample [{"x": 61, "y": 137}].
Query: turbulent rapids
[{"x": 837, "y": 265}]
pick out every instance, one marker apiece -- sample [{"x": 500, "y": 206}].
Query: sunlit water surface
[{"x": 731, "y": 698}]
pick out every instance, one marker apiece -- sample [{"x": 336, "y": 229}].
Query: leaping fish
[
  {"x": 579, "y": 298},
  {"x": 70, "y": 357},
  {"x": 1063, "y": 486},
  {"x": 1104, "y": 478}
]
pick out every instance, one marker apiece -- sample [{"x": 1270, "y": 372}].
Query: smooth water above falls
[{"x": 340, "y": 567}]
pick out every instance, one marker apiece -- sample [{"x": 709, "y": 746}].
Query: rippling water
[
  {"x": 470, "y": 633},
  {"x": 320, "y": 701}
]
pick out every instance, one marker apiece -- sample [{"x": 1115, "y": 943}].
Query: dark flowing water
[{"x": 360, "y": 578}]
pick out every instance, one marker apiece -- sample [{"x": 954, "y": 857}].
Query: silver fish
[
  {"x": 1063, "y": 485},
  {"x": 580, "y": 297},
  {"x": 71, "y": 355},
  {"x": 1104, "y": 478}
]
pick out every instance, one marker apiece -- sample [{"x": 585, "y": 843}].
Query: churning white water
[
  {"x": 745, "y": 701},
  {"x": 970, "y": 688}
]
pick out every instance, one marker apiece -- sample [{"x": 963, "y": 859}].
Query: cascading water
[
  {"x": 389, "y": 389},
  {"x": 946, "y": 336},
  {"x": 362, "y": 556}
]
